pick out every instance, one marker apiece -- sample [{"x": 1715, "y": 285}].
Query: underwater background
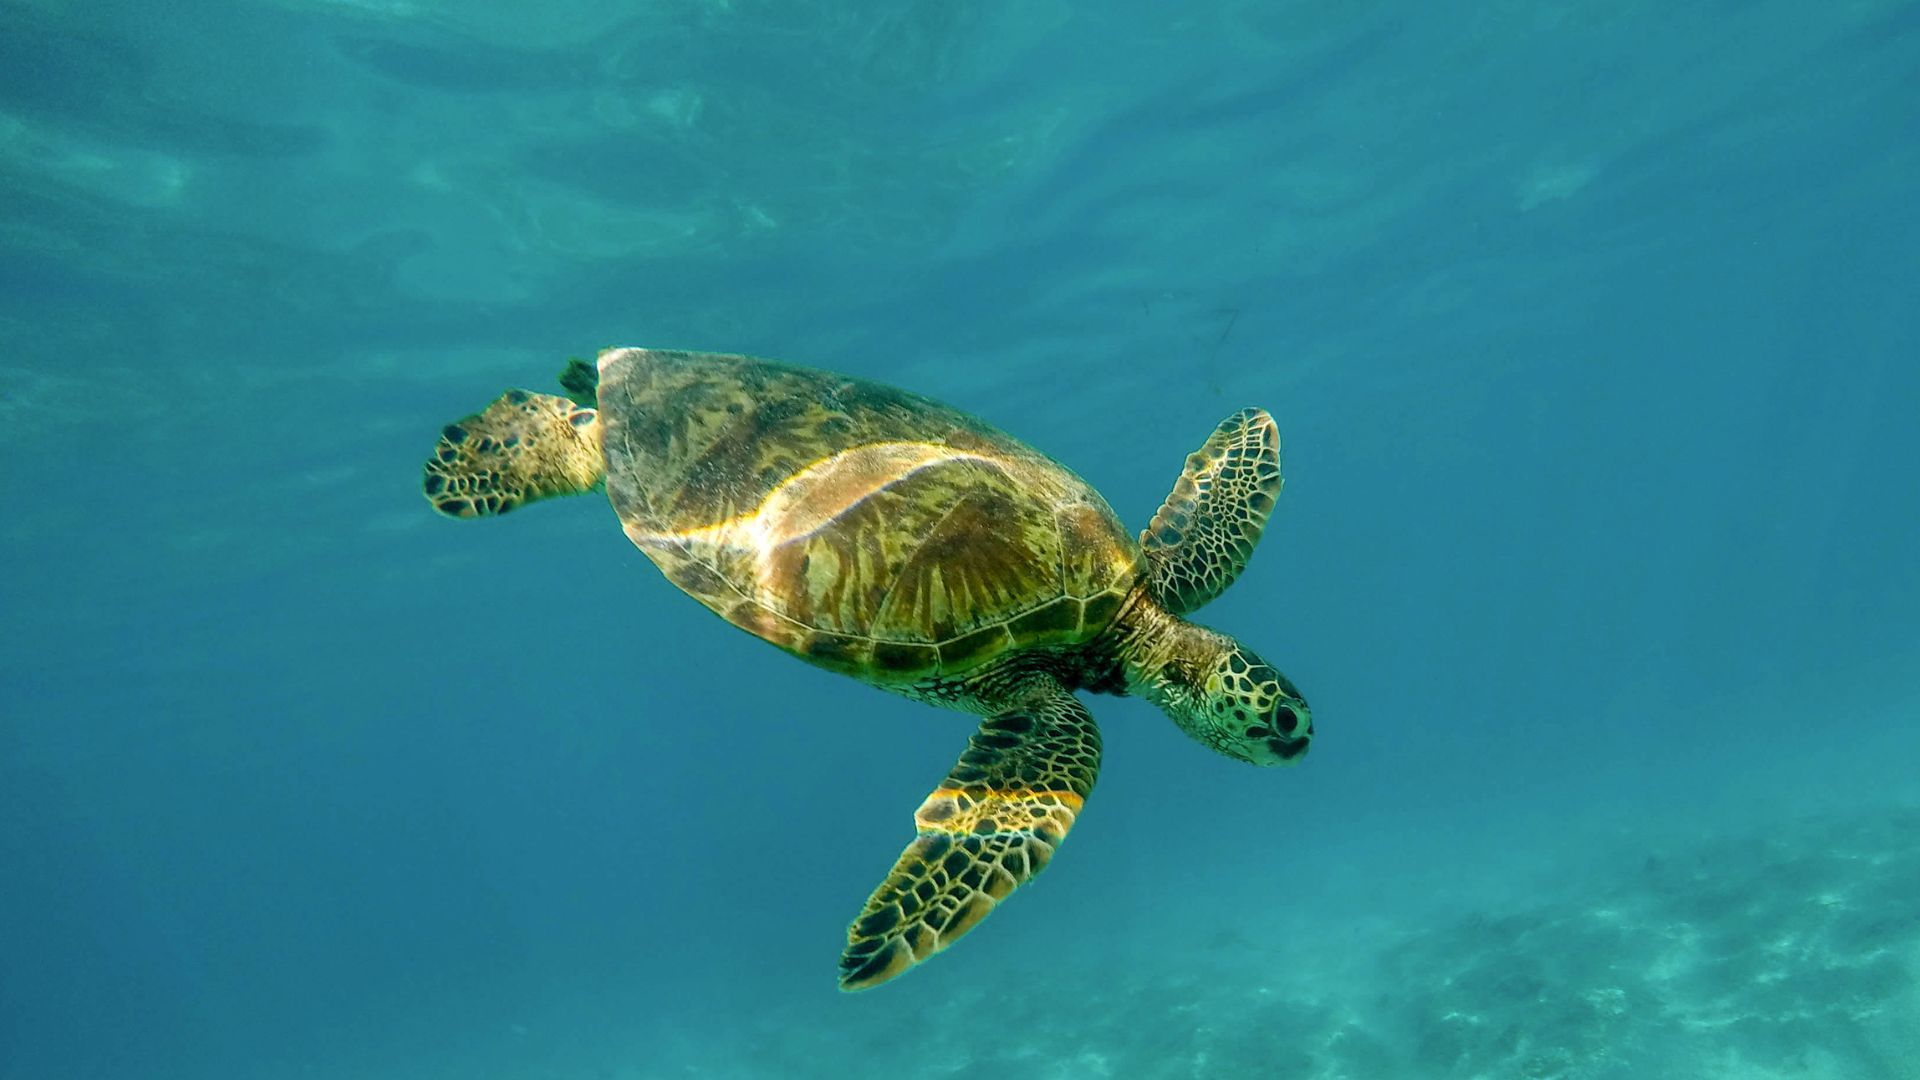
[{"x": 1590, "y": 329}]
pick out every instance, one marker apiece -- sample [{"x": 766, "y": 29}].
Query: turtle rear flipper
[
  {"x": 987, "y": 829},
  {"x": 1205, "y": 532},
  {"x": 581, "y": 381},
  {"x": 521, "y": 448}
]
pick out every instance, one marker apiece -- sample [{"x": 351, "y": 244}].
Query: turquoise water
[{"x": 1589, "y": 328}]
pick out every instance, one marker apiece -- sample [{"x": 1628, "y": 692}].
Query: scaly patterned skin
[
  {"x": 521, "y": 448},
  {"x": 913, "y": 547},
  {"x": 1217, "y": 690},
  {"x": 989, "y": 827},
  {"x": 1204, "y": 533}
]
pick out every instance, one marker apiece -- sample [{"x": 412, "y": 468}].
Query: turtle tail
[{"x": 522, "y": 448}]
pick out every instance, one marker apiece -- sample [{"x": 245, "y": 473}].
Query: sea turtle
[{"x": 888, "y": 537}]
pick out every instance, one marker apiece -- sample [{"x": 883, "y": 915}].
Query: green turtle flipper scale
[
  {"x": 1203, "y": 535},
  {"x": 988, "y": 828},
  {"x": 523, "y": 447}
]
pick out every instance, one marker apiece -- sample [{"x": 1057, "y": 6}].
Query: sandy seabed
[{"x": 1783, "y": 951}]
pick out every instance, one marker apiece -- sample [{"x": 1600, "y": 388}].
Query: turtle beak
[{"x": 1288, "y": 750}]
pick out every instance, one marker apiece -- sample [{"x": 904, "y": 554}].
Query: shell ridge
[{"x": 881, "y": 610}]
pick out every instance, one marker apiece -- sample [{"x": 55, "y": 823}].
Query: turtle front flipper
[
  {"x": 523, "y": 447},
  {"x": 991, "y": 825},
  {"x": 1204, "y": 533}
]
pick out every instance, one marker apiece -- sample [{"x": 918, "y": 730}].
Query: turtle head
[
  {"x": 1225, "y": 696},
  {"x": 1248, "y": 710}
]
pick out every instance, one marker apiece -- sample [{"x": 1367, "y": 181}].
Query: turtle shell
[{"x": 863, "y": 528}]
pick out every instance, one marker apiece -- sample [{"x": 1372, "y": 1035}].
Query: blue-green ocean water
[{"x": 1590, "y": 327}]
